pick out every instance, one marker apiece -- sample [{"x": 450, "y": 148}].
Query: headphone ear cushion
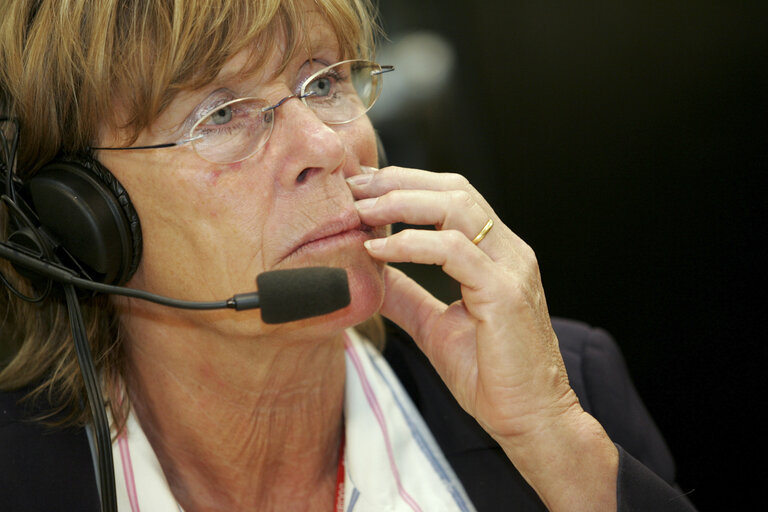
[{"x": 85, "y": 209}]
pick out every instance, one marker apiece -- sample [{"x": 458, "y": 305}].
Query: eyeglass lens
[{"x": 237, "y": 129}]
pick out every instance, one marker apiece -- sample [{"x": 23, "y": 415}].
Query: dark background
[{"x": 627, "y": 143}]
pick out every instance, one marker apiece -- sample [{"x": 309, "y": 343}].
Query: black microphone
[
  {"x": 293, "y": 294},
  {"x": 283, "y": 295}
]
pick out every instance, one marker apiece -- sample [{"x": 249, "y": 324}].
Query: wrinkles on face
[{"x": 210, "y": 229}]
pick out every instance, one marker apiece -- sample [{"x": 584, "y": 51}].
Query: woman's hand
[{"x": 495, "y": 349}]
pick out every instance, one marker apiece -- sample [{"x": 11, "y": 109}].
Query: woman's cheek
[{"x": 360, "y": 142}]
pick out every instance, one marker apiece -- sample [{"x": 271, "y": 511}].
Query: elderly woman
[{"x": 233, "y": 134}]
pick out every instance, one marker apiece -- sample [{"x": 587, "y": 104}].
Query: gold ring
[{"x": 483, "y": 232}]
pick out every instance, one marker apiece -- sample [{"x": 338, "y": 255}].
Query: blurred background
[{"x": 627, "y": 143}]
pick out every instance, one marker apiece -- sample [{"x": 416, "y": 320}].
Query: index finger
[{"x": 402, "y": 178}]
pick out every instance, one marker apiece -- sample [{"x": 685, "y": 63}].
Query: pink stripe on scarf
[
  {"x": 374, "y": 404},
  {"x": 130, "y": 483}
]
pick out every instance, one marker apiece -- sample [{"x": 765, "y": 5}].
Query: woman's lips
[
  {"x": 359, "y": 233},
  {"x": 345, "y": 230}
]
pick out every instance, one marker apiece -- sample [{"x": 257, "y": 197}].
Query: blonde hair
[{"x": 63, "y": 67}]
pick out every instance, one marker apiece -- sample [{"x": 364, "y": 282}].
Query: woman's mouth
[
  {"x": 358, "y": 234},
  {"x": 333, "y": 235}
]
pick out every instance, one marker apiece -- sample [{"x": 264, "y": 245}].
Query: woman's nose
[{"x": 306, "y": 147}]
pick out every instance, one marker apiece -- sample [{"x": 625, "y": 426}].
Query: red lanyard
[{"x": 338, "y": 503}]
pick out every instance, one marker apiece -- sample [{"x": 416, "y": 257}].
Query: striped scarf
[{"x": 391, "y": 460}]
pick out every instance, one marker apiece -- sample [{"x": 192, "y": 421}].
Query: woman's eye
[
  {"x": 221, "y": 115},
  {"x": 320, "y": 86}
]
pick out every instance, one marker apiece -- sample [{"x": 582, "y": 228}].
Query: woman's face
[{"x": 210, "y": 229}]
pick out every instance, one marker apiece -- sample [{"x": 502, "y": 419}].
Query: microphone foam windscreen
[{"x": 294, "y": 294}]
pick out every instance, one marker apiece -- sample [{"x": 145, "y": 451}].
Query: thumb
[{"x": 408, "y": 304}]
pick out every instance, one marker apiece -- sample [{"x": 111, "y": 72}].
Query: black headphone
[
  {"x": 83, "y": 211},
  {"x": 73, "y": 207}
]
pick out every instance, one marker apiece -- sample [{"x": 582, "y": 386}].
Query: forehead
[{"x": 256, "y": 63}]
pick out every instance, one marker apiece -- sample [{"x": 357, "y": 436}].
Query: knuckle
[
  {"x": 397, "y": 175},
  {"x": 462, "y": 199},
  {"x": 406, "y": 236},
  {"x": 530, "y": 260},
  {"x": 457, "y": 181},
  {"x": 386, "y": 200},
  {"x": 454, "y": 238}
]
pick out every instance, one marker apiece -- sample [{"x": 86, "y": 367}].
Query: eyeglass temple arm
[
  {"x": 384, "y": 69},
  {"x": 156, "y": 146}
]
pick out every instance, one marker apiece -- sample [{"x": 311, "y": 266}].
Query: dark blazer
[
  {"x": 597, "y": 373},
  {"x": 52, "y": 470}
]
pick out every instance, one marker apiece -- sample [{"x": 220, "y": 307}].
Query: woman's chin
[{"x": 366, "y": 289}]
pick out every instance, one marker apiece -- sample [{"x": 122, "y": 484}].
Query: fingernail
[
  {"x": 364, "y": 204},
  {"x": 368, "y": 170},
  {"x": 375, "y": 244},
  {"x": 359, "y": 180}
]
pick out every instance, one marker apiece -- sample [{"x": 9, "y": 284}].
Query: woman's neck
[{"x": 236, "y": 424}]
